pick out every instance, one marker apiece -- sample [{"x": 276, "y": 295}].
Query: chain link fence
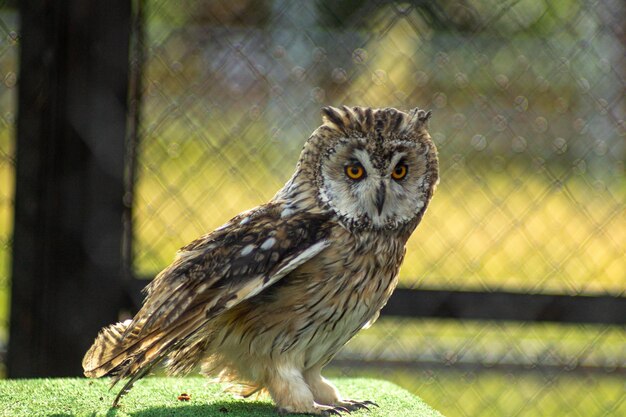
[
  {"x": 8, "y": 106},
  {"x": 528, "y": 114}
]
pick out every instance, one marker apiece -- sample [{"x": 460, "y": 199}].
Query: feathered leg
[
  {"x": 324, "y": 392},
  {"x": 291, "y": 393}
]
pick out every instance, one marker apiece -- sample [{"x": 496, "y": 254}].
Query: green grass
[{"x": 156, "y": 397}]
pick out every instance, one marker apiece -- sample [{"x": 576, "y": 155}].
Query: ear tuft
[
  {"x": 331, "y": 114},
  {"x": 424, "y": 116},
  {"x": 419, "y": 117}
]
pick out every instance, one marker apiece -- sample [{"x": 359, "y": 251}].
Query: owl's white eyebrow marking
[
  {"x": 364, "y": 158},
  {"x": 396, "y": 158},
  {"x": 268, "y": 243},
  {"x": 247, "y": 250}
]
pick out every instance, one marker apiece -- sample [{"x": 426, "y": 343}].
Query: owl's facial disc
[{"x": 381, "y": 187}]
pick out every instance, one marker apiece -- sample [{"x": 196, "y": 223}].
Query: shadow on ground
[
  {"x": 111, "y": 413},
  {"x": 221, "y": 408}
]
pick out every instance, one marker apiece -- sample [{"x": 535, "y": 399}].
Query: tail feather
[
  {"x": 115, "y": 353},
  {"x": 108, "y": 351},
  {"x": 126, "y": 350}
]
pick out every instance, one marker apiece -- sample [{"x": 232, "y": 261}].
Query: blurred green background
[{"x": 528, "y": 116}]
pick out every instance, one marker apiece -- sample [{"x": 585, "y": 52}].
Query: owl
[{"x": 265, "y": 301}]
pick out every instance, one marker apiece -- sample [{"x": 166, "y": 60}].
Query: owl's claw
[
  {"x": 320, "y": 410},
  {"x": 335, "y": 411},
  {"x": 357, "y": 405}
]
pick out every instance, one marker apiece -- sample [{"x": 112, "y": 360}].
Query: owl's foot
[
  {"x": 335, "y": 411},
  {"x": 326, "y": 393},
  {"x": 318, "y": 410},
  {"x": 353, "y": 405}
]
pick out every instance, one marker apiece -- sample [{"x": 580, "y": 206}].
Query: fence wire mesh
[
  {"x": 8, "y": 106},
  {"x": 528, "y": 101},
  {"x": 528, "y": 104}
]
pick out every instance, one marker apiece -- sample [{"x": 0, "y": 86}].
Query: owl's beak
[{"x": 380, "y": 197}]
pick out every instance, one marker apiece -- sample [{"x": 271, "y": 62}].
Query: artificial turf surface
[{"x": 158, "y": 397}]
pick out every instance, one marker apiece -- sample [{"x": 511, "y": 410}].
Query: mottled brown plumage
[{"x": 266, "y": 300}]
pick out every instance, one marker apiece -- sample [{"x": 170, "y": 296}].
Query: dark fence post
[{"x": 67, "y": 267}]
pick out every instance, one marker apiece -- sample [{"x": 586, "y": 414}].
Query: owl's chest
[
  {"x": 369, "y": 253},
  {"x": 345, "y": 287},
  {"x": 355, "y": 276}
]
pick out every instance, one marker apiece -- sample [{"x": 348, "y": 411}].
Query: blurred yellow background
[{"x": 528, "y": 116}]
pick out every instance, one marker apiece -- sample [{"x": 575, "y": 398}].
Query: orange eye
[
  {"x": 399, "y": 171},
  {"x": 355, "y": 171}
]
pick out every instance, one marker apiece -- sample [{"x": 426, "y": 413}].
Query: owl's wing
[
  {"x": 234, "y": 263},
  {"x": 212, "y": 274}
]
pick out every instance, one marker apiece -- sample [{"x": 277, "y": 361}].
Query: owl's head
[{"x": 374, "y": 168}]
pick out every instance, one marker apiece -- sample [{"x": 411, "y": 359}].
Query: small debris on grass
[{"x": 184, "y": 397}]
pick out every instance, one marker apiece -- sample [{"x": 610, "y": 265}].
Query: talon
[
  {"x": 356, "y": 405},
  {"x": 336, "y": 411}
]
